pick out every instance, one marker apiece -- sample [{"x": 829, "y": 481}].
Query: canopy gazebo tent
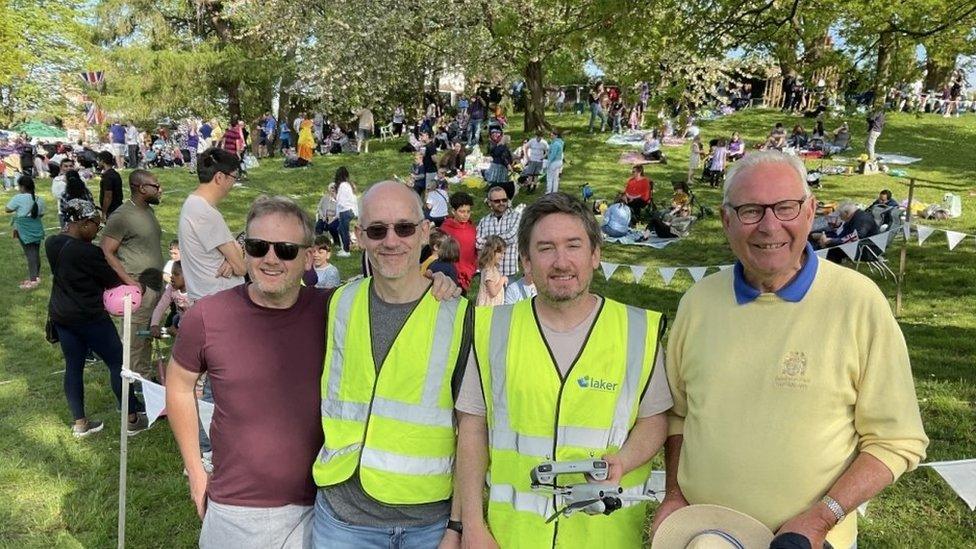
[{"x": 40, "y": 130}]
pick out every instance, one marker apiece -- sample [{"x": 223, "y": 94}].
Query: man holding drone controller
[{"x": 591, "y": 362}]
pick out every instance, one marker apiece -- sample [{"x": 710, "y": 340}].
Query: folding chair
[
  {"x": 871, "y": 255},
  {"x": 386, "y": 132}
]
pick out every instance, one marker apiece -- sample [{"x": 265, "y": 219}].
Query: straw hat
[{"x": 711, "y": 527}]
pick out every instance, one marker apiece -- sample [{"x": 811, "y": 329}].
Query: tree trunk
[
  {"x": 886, "y": 44},
  {"x": 232, "y": 89},
  {"x": 937, "y": 73},
  {"x": 535, "y": 104}
]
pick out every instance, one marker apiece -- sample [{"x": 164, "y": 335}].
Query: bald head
[{"x": 387, "y": 193}]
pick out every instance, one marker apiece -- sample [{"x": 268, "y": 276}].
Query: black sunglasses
[
  {"x": 286, "y": 251},
  {"x": 403, "y": 229}
]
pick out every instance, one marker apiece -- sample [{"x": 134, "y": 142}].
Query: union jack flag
[{"x": 93, "y": 78}]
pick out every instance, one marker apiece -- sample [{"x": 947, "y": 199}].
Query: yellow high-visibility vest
[
  {"x": 536, "y": 415},
  {"x": 397, "y": 427}
]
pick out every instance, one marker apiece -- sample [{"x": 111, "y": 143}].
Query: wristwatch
[
  {"x": 834, "y": 507},
  {"x": 454, "y": 525}
]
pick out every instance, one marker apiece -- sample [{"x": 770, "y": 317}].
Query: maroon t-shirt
[{"x": 265, "y": 367}]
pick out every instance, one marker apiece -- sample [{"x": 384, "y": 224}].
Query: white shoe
[{"x": 343, "y": 253}]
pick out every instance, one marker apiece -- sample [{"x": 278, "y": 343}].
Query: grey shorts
[
  {"x": 119, "y": 149},
  {"x": 532, "y": 168},
  {"x": 363, "y": 133},
  {"x": 288, "y": 527}
]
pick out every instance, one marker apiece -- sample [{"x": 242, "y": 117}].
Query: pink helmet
[{"x": 113, "y": 299}]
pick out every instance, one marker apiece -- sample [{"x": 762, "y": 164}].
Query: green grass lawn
[{"x": 56, "y": 491}]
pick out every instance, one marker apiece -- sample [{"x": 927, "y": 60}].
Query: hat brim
[{"x": 677, "y": 531}]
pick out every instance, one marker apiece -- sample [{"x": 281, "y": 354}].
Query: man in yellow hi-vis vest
[
  {"x": 568, "y": 375},
  {"x": 386, "y": 469}
]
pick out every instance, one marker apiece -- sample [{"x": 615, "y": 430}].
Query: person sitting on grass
[
  {"x": 799, "y": 138},
  {"x": 638, "y": 193},
  {"x": 777, "y": 138},
  {"x": 616, "y": 220},
  {"x": 736, "y": 148},
  {"x": 652, "y": 148}
]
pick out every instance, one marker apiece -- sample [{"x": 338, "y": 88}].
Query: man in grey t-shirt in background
[{"x": 212, "y": 260}]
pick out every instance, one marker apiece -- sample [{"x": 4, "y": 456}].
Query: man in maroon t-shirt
[{"x": 262, "y": 345}]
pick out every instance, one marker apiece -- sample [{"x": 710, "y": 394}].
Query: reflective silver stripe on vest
[
  {"x": 440, "y": 351},
  {"x": 405, "y": 465},
  {"x": 413, "y": 413},
  {"x": 501, "y": 323},
  {"x": 327, "y": 455},
  {"x": 629, "y": 391},
  {"x": 527, "y": 502},
  {"x": 349, "y": 411},
  {"x": 342, "y": 312},
  {"x": 503, "y": 438}
]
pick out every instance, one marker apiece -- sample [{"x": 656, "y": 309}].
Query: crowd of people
[{"x": 377, "y": 408}]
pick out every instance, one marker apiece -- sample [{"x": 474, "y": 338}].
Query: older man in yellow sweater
[{"x": 793, "y": 394}]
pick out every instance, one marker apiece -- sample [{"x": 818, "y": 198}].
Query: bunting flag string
[
  {"x": 608, "y": 268},
  {"x": 638, "y": 271},
  {"x": 154, "y": 395},
  {"x": 924, "y": 232},
  {"x": 960, "y": 475}
]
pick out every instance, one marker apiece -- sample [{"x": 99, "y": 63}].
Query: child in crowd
[
  {"x": 418, "y": 175},
  {"x": 523, "y": 288},
  {"x": 446, "y": 254},
  {"x": 491, "y": 291},
  {"x": 438, "y": 200},
  {"x": 326, "y": 216},
  {"x": 716, "y": 164},
  {"x": 694, "y": 158},
  {"x": 322, "y": 274},
  {"x": 428, "y": 254},
  {"x": 460, "y": 227},
  {"x": 174, "y": 256},
  {"x": 173, "y": 297}
]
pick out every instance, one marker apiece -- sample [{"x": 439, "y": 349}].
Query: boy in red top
[
  {"x": 638, "y": 193},
  {"x": 460, "y": 227}
]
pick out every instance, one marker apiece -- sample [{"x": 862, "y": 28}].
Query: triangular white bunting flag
[
  {"x": 667, "y": 273},
  {"x": 907, "y": 229},
  {"x": 881, "y": 240},
  {"x": 155, "y": 396},
  {"x": 724, "y": 267},
  {"x": 654, "y": 486},
  {"x": 923, "y": 233},
  {"x": 822, "y": 254},
  {"x": 850, "y": 249},
  {"x": 961, "y": 477},
  {"x": 638, "y": 271},
  {"x": 954, "y": 238},
  {"x": 608, "y": 268},
  {"x": 697, "y": 273},
  {"x": 862, "y": 509}
]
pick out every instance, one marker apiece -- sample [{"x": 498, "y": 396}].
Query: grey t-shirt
[
  {"x": 350, "y": 503},
  {"x": 565, "y": 347},
  {"x": 201, "y": 231}
]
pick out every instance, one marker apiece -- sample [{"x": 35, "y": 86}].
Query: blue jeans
[
  {"x": 344, "y": 219},
  {"x": 328, "y": 532},
  {"x": 474, "y": 132},
  {"x": 99, "y": 336},
  {"x": 203, "y": 435},
  {"x": 596, "y": 111},
  {"x": 333, "y": 227}
]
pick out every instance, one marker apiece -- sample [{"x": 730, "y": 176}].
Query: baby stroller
[{"x": 680, "y": 185}]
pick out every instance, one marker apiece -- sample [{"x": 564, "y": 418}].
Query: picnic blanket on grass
[
  {"x": 654, "y": 241},
  {"x": 896, "y": 159},
  {"x": 628, "y": 139},
  {"x": 635, "y": 159}
]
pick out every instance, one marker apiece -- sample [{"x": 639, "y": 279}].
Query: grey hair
[
  {"x": 764, "y": 157},
  {"x": 416, "y": 198},
  {"x": 267, "y": 205},
  {"x": 846, "y": 208}
]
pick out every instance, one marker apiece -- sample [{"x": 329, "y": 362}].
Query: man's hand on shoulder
[
  {"x": 443, "y": 288},
  {"x": 814, "y": 523}
]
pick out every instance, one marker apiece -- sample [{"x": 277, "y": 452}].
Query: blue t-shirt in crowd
[
  {"x": 206, "y": 131},
  {"x": 556, "y": 150},
  {"x": 285, "y": 130},
  {"x": 269, "y": 125},
  {"x": 617, "y": 217},
  {"x": 118, "y": 133}
]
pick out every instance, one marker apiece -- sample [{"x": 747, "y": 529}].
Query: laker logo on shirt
[{"x": 587, "y": 382}]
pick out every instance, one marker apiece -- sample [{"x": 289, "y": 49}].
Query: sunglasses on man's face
[
  {"x": 285, "y": 251},
  {"x": 403, "y": 229}
]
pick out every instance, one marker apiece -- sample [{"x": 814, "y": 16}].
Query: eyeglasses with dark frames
[
  {"x": 784, "y": 210},
  {"x": 285, "y": 251}
]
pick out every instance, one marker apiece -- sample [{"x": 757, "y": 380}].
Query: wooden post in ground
[{"x": 904, "y": 248}]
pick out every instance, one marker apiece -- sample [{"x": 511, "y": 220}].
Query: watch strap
[
  {"x": 454, "y": 525},
  {"x": 834, "y": 507}
]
